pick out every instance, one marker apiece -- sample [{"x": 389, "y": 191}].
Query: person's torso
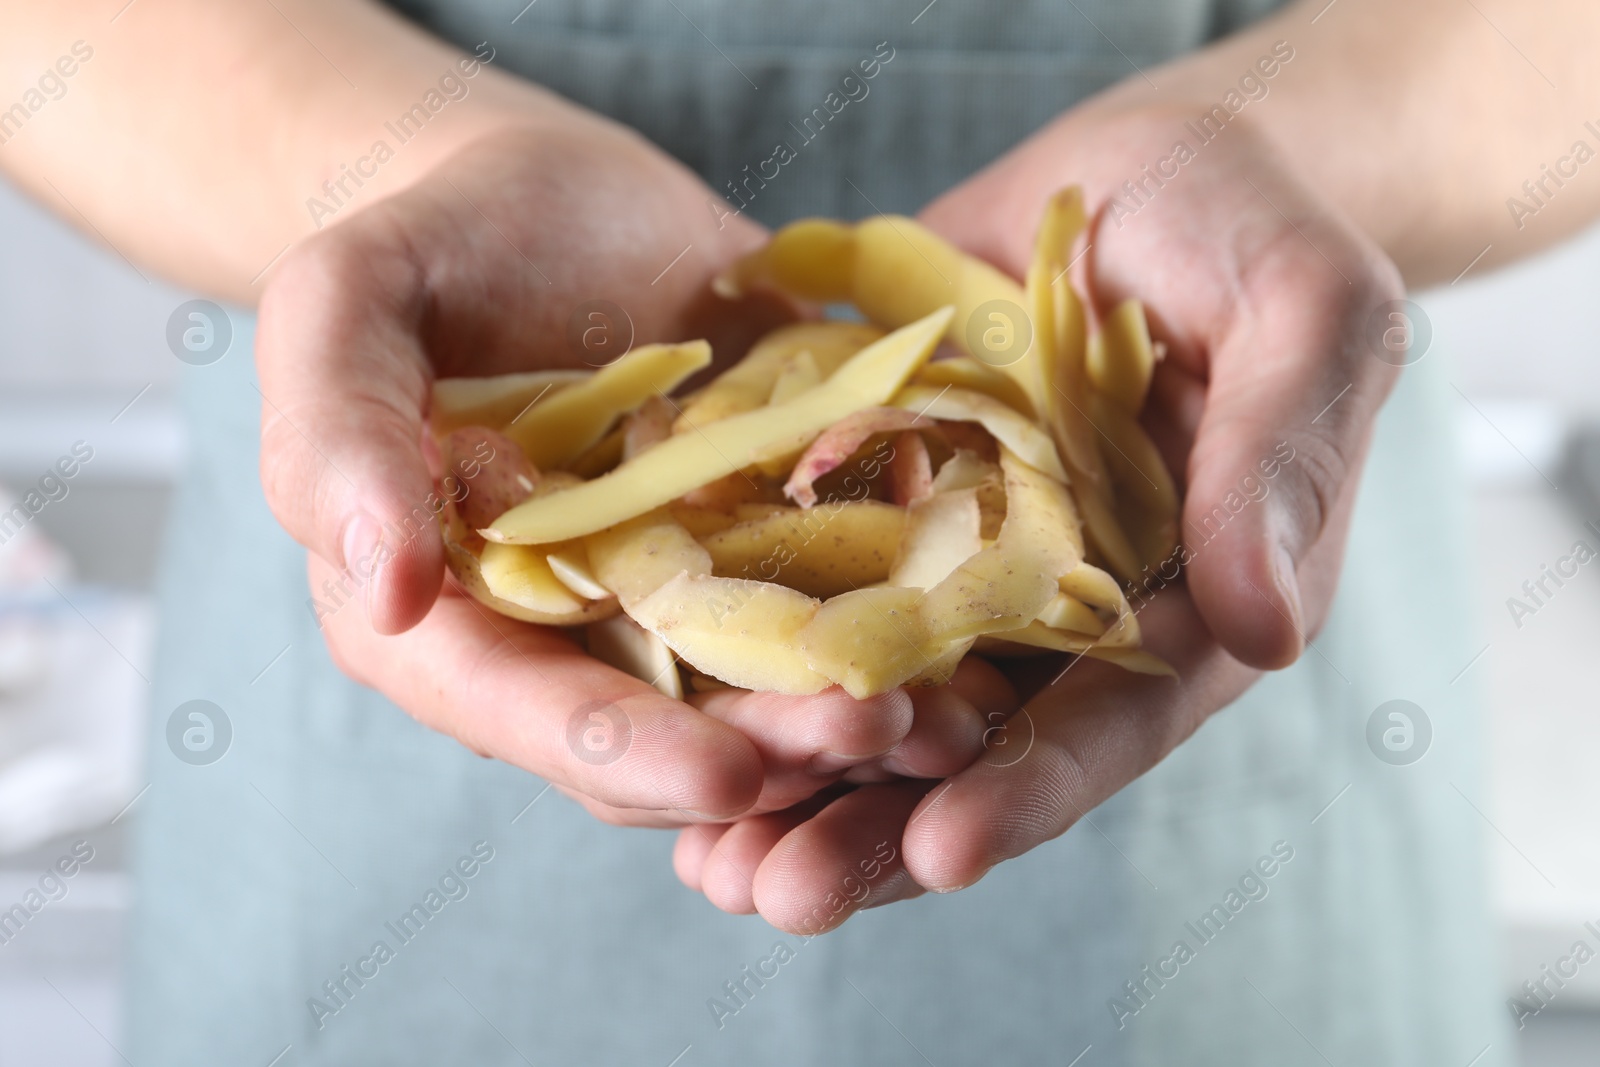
[
  {"x": 721, "y": 84},
  {"x": 265, "y": 874}
]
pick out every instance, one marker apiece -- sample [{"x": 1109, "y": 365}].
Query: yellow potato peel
[
  {"x": 687, "y": 461},
  {"x": 671, "y": 511},
  {"x": 558, "y": 428}
]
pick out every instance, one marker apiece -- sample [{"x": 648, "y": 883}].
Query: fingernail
[
  {"x": 968, "y": 885},
  {"x": 363, "y": 541},
  {"x": 1289, "y": 586}
]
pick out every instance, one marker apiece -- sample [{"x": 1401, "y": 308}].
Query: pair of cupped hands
[{"x": 785, "y": 805}]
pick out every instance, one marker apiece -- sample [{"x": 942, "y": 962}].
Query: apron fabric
[{"x": 268, "y": 879}]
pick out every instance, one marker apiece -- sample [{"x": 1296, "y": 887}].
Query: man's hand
[
  {"x": 1262, "y": 296},
  {"x": 476, "y": 270}
]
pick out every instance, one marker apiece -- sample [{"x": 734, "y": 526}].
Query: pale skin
[{"x": 1383, "y": 154}]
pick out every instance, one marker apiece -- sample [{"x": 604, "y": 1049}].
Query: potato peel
[
  {"x": 622, "y": 643},
  {"x": 740, "y": 631},
  {"x": 820, "y": 551},
  {"x": 838, "y": 443},
  {"x": 749, "y": 383},
  {"x": 558, "y": 428},
  {"x": 1011, "y": 499},
  {"x": 690, "y": 460},
  {"x": 1011, "y": 429}
]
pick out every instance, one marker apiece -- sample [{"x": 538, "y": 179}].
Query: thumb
[
  {"x": 344, "y": 384},
  {"x": 1288, "y": 416}
]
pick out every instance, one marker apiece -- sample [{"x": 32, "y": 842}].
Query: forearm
[
  {"x": 1418, "y": 118},
  {"x": 202, "y": 138}
]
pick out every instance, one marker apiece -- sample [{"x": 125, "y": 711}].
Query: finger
[
  {"x": 727, "y": 876},
  {"x": 1277, "y": 336},
  {"x": 984, "y": 686},
  {"x": 1077, "y": 742},
  {"x": 527, "y": 695},
  {"x": 1293, "y": 395},
  {"x": 844, "y": 859},
  {"x": 826, "y": 732},
  {"x": 634, "y": 818},
  {"x": 1172, "y": 414},
  {"x": 689, "y": 852},
  {"x": 343, "y": 386},
  {"x": 946, "y": 734},
  {"x": 948, "y": 725},
  {"x": 807, "y": 741}
]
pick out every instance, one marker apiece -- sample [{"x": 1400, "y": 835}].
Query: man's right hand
[{"x": 475, "y": 270}]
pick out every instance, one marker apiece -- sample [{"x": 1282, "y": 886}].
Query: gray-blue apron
[{"x": 308, "y": 895}]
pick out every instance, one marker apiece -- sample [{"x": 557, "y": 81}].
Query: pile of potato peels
[{"x": 858, "y": 504}]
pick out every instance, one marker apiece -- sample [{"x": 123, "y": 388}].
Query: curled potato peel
[
  {"x": 1003, "y": 500},
  {"x": 910, "y": 469},
  {"x": 1064, "y": 343},
  {"x": 967, "y": 373},
  {"x": 867, "y": 640},
  {"x": 638, "y": 557},
  {"x": 485, "y": 473},
  {"x": 894, "y": 269},
  {"x": 941, "y": 533},
  {"x": 740, "y": 631},
  {"x": 535, "y": 594},
  {"x": 492, "y": 402},
  {"x": 750, "y": 383},
  {"x": 1122, "y": 359},
  {"x": 813, "y": 259},
  {"x": 1011, "y": 429},
  {"x": 690, "y": 460},
  {"x": 838, "y": 443},
  {"x": 798, "y": 373},
  {"x": 629, "y": 647},
  {"x": 821, "y": 551},
  {"x": 558, "y": 428}
]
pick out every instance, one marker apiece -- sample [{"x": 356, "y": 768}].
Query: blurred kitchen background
[{"x": 84, "y": 357}]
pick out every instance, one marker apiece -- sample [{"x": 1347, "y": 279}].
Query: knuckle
[
  {"x": 328, "y": 264},
  {"x": 321, "y": 271}
]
